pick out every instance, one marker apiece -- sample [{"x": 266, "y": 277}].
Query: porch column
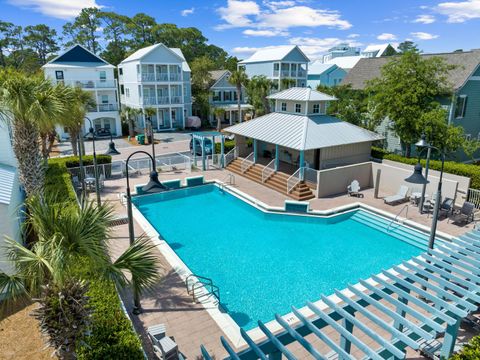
[
  {"x": 254, "y": 151},
  {"x": 222, "y": 152},
  {"x": 450, "y": 339},
  {"x": 230, "y": 118},
  {"x": 213, "y": 148},
  {"x": 277, "y": 157},
  {"x": 301, "y": 164},
  {"x": 203, "y": 154}
]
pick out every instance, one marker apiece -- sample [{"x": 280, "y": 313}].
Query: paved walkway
[{"x": 170, "y": 304}]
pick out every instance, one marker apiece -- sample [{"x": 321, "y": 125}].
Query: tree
[
  {"x": 115, "y": 30},
  {"x": 27, "y": 103},
  {"x": 84, "y": 29},
  {"x": 129, "y": 115},
  {"x": 287, "y": 83},
  {"x": 407, "y": 46},
  {"x": 201, "y": 81},
  {"x": 7, "y": 31},
  {"x": 258, "y": 88},
  {"x": 239, "y": 78},
  {"x": 149, "y": 112},
  {"x": 219, "y": 114},
  {"x": 446, "y": 137},
  {"x": 140, "y": 30},
  {"x": 409, "y": 87},
  {"x": 42, "y": 39}
]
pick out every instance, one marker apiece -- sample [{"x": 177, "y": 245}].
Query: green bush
[
  {"x": 73, "y": 161},
  {"x": 58, "y": 181},
  {"x": 471, "y": 351},
  {"x": 228, "y": 145},
  {"x": 451, "y": 167}
]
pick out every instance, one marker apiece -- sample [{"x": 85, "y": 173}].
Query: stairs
[{"x": 277, "y": 182}]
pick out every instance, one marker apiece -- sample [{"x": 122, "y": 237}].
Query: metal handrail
[
  {"x": 293, "y": 180},
  {"x": 230, "y": 156},
  {"x": 247, "y": 163},
  {"x": 311, "y": 176},
  {"x": 202, "y": 281},
  {"x": 268, "y": 170},
  {"x": 396, "y": 217}
]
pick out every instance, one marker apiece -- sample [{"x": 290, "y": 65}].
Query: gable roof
[
  {"x": 276, "y": 53},
  {"x": 7, "y": 181},
  {"x": 140, "y": 53},
  {"x": 217, "y": 75},
  {"x": 301, "y": 94},
  {"x": 380, "y": 48},
  {"x": 78, "y": 54},
  {"x": 318, "y": 68},
  {"x": 370, "y": 68},
  {"x": 345, "y": 62},
  {"x": 302, "y": 132}
]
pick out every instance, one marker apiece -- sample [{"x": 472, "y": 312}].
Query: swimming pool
[{"x": 263, "y": 262}]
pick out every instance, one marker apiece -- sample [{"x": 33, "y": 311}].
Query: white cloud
[
  {"x": 277, "y": 15},
  {"x": 423, "y": 35},
  {"x": 187, "y": 12},
  {"x": 425, "y": 19},
  {"x": 387, "y": 37},
  {"x": 265, "y": 33},
  {"x": 353, "y": 36},
  {"x": 460, "y": 11},
  {"x": 61, "y": 9}
]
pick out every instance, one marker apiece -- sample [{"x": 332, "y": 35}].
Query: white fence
[{"x": 473, "y": 196}]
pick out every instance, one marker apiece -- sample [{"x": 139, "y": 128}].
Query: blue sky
[{"x": 242, "y": 26}]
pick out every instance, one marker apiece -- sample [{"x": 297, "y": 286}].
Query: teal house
[
  {"x": 324, "y": 74},
  {"x": 463, "y": 107}
]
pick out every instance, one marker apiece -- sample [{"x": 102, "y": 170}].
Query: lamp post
[
  {"x": 111, "y": 147},
  {"x": 418, "y": 178},
  {"x": 95, "y": 168},
  {"x": 153, "y": 186},
  {"x": 80, "y": 162},
  {"x": 423, "y": 144},
  {"x": 152, "y": 140}
]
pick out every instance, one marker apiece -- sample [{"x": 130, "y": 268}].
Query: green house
[{"x": 463, "y": 108}]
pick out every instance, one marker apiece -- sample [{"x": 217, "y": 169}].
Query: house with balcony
[
  {"x": 223, "y": 94},
  {"x": 340, "y": 50},
  {"x": 324, "y": 74},
  {"x": 285, "y": 66},
  {"x": 80, "y": 67},
  {"x": 291, "y": 144},
  {"x": 157, "y": 77}
]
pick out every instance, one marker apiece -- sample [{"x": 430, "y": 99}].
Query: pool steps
[{"x": 404, "y": 233}]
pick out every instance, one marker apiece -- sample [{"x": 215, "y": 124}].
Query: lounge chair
[
  {"x": 399, "y": 197},
  {"x": 164, "y": 347},
  {"x": 465, "y": 214},
  {"x": 431, "y": 348},
  {"x": 354, "y": 189}
]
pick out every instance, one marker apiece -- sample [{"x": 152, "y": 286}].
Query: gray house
[{"x": 463, "y": 108}]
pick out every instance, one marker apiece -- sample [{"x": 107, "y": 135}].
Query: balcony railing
[
  {"x": 175, "y": 77},
  {"x": 146, "y": 77},
  {"x": 285, "y": 73},
  {"x": 150, "y": 100},
  {"x": 163, "y": 100},
  {"x": 176, "y": 99},
  {"x": 302, "y": 73},
  {"x": 275, "y": 73},
  {"x": 103, "y": 108},
  {"x": 162, "y": 76},
  {"x": 90, "y": 84}
]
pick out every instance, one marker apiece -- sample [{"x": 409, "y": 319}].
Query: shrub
[
  {"x": 228, "y": 146},
  {"x": 73, "y": 161},
  {"x": 471, "y": 351},
  {"x": 451, "y": 167},
  {"x": 58, "y": 181}
]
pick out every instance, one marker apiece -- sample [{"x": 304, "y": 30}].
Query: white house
[
  {"x": 157, "y": 77},
  {"x": 11, "y": 195},
  {"x": 79, "y": 67},
  {"x": 340, "y": 50}
]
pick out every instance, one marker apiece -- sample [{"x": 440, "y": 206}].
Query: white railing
[
  {"x": 163, "y": 100},
  {"x": 146, "y": 77},
  {"x": 176, "y": 99},
  {"x": 311, "y": 177},
  {"x": 149, "y": 100},
  {"x": 293, "y": 180},
  {"x": 230, "y": 156},
  {"x": 473, "y": 196},
  {"x": 162, "y": 76},
  {"x": 107, "y": 107},
  {"x": 173, "y": 163},
  {"x": 268, "y": 170},
  {"x": 247, "y": 163},
  {"x": 216, "y": 161},
  {"x": 90, "y": 84}
]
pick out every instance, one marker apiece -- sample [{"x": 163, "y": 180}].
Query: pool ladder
[
  {"x": 396, "y": 217},
  {"x": 228, "y": 180},
  {"x": 195, "y": 282}
]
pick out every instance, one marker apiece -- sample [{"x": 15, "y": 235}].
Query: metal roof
[
  {"x": 275, "y": 53},
  {"x": 318, "y": 68},
  {"x": 7, "y": 181},
  {"x": 301, "y": 132},
  {"x": 380, "y": 48},
  {"x": 412, "y": 304},
  {"x": 301, "y": 94},
  {"x": 139, "y": 54},
  {"x": 345, "y": 62}
]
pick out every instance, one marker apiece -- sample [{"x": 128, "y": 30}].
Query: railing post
[
  {"x": 301, "y": 163},
  {"x": 222, "y": 152},
  {"x": 277, "y": 157},
  {"x": 254, "y": 151}
]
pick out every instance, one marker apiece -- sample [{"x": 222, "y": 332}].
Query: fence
[{"x": 473, "y": 196}]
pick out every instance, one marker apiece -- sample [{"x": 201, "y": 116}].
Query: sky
[{"x": 243, "y": 26}]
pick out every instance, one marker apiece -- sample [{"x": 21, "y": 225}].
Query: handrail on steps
[
  {"x": 396, "y": 217},
  {"x": 202, "y": 281},
  {"x": 292, "y": 180},
  {"x": 268, "y": 170},
  {"x": 247, "y": 163},
  {"x": 230, "y": 156}
]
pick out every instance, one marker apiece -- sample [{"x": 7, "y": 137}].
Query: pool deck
[{"x": 169, "y": 303}]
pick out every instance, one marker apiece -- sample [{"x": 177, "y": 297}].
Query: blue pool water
[{"x": 264, "y": 263}]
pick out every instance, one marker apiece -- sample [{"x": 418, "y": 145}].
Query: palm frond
[{"x": 12, "y": 288}]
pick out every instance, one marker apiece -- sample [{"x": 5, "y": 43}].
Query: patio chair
[
  {"x": 399, "y": 197},
  {"x": 431, "y": 348},
  {"x": 446, "y": 208},
  {"x": 354, "y": 189},
  {"x": 465, "y": 214},
  {"x": 165, "y": 348}
]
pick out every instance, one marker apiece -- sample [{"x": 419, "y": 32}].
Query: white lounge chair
[
  {"x": 399, "y": 197},
  {"x": 165, "y": 348},
  {"x": 354, "y": 189}
]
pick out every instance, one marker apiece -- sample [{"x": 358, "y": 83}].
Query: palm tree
[
  {"x": 129, "y": 115},
  {"x": 258, "y": 88},
  {"x": 287, "y": 83},
  {"x": 239, "y": 78},
  {"x": 68, "y": 236},
  {"x": 28, "y": 103},
  {"x": 149, "y": 112},
  {"x": 218, "y": 112}
]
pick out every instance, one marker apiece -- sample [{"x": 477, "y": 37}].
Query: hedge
[
  {"x": 469, "y": 170},
  {"x": 111, "y": 334},
  {"x": 228, "y": 146},
  {"x": 470, "y": 351}
]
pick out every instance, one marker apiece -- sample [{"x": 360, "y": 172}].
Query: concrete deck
[{"x": 170, "y": 304}]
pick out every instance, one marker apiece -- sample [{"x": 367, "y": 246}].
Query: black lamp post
[
  {"x": 80, "y": 162},
  {"x": 111, "y": 147},
  {"x": 418, "y": 178},
  {"x": 95, "y": 167},
  {"x": 152, "y": 140},
  {"x": 153, "y": 186}
]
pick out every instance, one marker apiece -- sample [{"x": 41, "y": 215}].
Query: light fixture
[{"x": 417, "y": 176}]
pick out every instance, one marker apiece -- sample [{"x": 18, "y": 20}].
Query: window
[
  {"x": 59, "y": 75},
  {"x": 460, "y": 106},
  {"x": 298, "y": 108},
  {"x": 174, "y": 114},
  {"x": 122, "y": 89},
  {"x": 284, "y": 106},
  {"x": 227, "y": 96},
  {"x": 104, "y": 99},
  {"x": 138, "y": 69},
  {"x": 217, "y": 96},
  {"x": 103, "y": 76},
  {"x": 127, "y": 92},
  {"x": 316, "y": 108},
  {"x": 120, "y": 71}
]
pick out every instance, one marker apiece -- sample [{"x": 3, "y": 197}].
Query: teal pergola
[
  {"x": 418, "y": 301},
  {"x": 201, "y": 138}
]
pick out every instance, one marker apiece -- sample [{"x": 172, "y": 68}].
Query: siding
[
  {"x": 6, "y": 152},
  {"x": 263, "y": 68},
  {"x": 295, "y": 55},
  {"x": 345, "y": 154}
]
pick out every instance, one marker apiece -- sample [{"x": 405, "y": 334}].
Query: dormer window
[
  {"x": 316, "y": 108},
  {"x": 298, "y": 108},
  {"x": 284, "y": 106}
]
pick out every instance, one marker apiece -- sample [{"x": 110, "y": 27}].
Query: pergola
[
  {"x": 201, "y": 137},
  {"x": 430, "y": 295}
]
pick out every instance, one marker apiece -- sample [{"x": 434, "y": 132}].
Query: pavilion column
[
  {"x": 346, "y": 344},
  {"x": 277, "y": 157},
  {"x": 277, "y": 355},
  {"x": 203, "y": 154},
  {"x": 301, "y": 164},
  {"x": 449, "y": 339},
  {"x": 222, "y": 152},
  {"x": 254, "y": 151}
]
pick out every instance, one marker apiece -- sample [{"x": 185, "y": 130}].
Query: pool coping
[{"x": 226, "y": 323}]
